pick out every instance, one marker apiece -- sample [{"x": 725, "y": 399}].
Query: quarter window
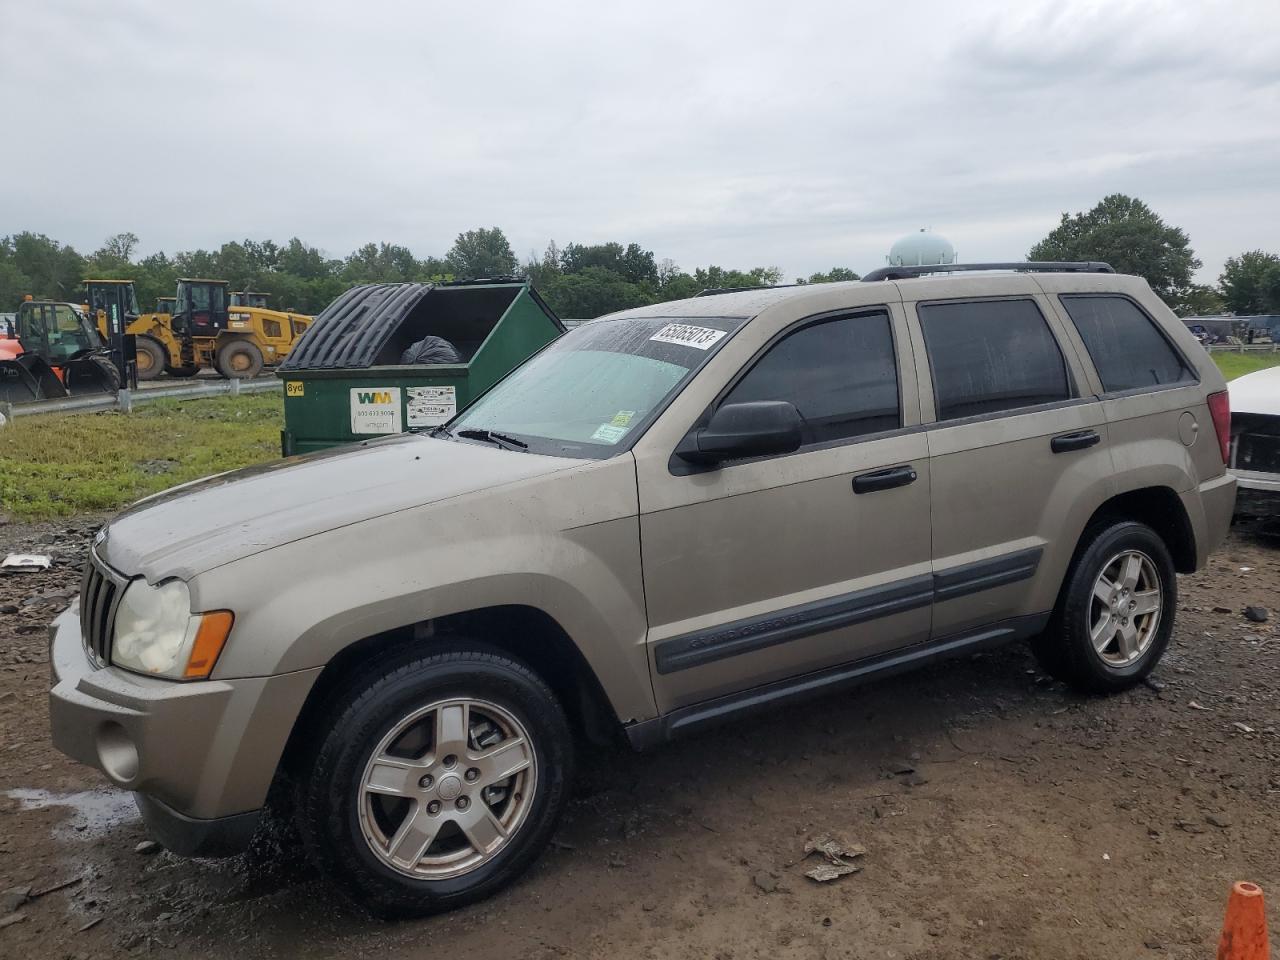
[
  {"x": 1127, "y": 348},
  {"x": 841, "y": 375},
  {"x": 989, "y": 356}
]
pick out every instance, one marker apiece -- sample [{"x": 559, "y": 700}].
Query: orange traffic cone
[{"x": 1244, "y": 931}]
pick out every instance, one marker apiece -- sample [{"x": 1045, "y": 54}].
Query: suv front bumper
[{"x": 200, "y": 756}]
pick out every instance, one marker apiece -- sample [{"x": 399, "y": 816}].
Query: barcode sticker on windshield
[
  {"x": 700, "y": 338},
  {"x": 607, "y": 433}
]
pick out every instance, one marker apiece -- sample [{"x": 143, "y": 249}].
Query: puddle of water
[{"x": 93, "y": 812}]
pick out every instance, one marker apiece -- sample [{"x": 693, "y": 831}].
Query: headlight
[{"x": 156, "y": 632}]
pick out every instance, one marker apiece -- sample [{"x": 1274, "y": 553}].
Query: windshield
[
  {"x": 593, "y": 391},
  {"x": 102, "y": 296},
  {"x": 199, "y": 296},
  {"x": 69, "y": 334}
]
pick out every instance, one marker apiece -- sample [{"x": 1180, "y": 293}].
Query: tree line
[
  {"x": 1130, "y": 236},
  {"x": 578, "y": 280},
  {"x": 587, "y": 280}
]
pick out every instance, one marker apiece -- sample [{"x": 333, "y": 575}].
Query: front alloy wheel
[
  {"x": 446, "y": 788},
  {"x": 435, "y": 777}
]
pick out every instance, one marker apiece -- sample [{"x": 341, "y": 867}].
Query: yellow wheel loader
[
  {"x": 201, "y": 328},
  {"x": 237, "y": 339}
]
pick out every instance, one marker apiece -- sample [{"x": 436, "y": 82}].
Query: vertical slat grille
[{"x": 98, "y": 595}]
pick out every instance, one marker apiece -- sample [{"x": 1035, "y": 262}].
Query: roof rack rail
[
  {"x": 716, "y": 291},
  {"x": 1025, "y": 266}
]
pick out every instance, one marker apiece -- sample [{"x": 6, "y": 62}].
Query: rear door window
[
  {"x": 1127, "y": 348},
  {"x": 840, "y": 374},
  {"x": 991, "y": 356}
]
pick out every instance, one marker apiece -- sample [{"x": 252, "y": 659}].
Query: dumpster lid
[{"x": 365, "y": 326}]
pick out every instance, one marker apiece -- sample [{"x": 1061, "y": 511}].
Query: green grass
[
  {"x": 59, "y": 465},
  {"x": 1235, "y": 365}
]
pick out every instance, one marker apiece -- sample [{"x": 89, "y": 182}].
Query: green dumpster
[{"x": 388, "y": 357}]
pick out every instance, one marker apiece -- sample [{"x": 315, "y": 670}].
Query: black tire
[
  {"x": 1065, "y": 649},
  {"x": 91, "y": 373},
  {"x": 151, "y": 358},
  {"x": 328, "y": 801},
  {"x": 182, "y": 372},
  {"x": 239, "y": 360},
  {"x": 110, "y": 376}
]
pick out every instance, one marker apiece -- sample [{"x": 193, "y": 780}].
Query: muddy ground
[{"x": 1034, "y": 823}]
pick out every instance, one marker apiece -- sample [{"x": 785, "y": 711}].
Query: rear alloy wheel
[
  {"x": 1115, "y": 613},
  {"x": 239, "y": 360},
  {"x": 151, "y": 358},
  {"x": 1125, "y": 613},
  {"x": 438, "y": 781}
]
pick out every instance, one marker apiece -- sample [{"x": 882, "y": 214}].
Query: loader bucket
[
  {"x": 28, "y": 378},
  {"x": 16, "y": 384}
]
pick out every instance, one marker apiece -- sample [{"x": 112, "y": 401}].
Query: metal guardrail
[
  {"x": 126, "y": 400},
  {"x": 1243, "y": 347}
]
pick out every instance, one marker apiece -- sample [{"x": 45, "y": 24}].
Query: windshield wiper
[{"x": 501, "y": 439}]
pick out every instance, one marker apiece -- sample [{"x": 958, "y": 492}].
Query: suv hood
[
  {"x": 1257, "y": 392},
  {"x": 197, "y": 526}
]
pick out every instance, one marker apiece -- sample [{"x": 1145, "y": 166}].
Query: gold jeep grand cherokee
[{"x": 666, "y": 518}]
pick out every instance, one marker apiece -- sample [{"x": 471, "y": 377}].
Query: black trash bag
[{"x": 431, "y": 350}]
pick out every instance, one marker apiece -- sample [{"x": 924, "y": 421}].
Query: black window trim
[
  {"x": 679, "y": 467},
  {"x": 1076, "y": 397},
  {"x": 1106, "y": 394},
  {"x": 1012, "y": 412}
]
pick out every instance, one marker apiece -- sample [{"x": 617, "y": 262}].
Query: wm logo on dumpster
[{"x": 375, "y": 410}]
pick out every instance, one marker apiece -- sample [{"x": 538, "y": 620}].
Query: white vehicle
[{"x": 1255, "y": 442}]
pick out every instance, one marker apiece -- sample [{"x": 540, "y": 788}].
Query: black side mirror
[{"x": 739, "y": 430}]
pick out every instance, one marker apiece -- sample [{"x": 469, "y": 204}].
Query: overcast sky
[{"x": 802, "y": 135}]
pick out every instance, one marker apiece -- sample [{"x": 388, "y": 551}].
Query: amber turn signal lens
[{"x": 211, "y": 635}]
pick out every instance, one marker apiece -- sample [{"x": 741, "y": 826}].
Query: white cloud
[{"x": 734, "y": 133}]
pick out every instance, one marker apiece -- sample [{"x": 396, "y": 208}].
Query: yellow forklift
[
  {"x": 159, "y": 348},
  {"x": 236, "y": 339}
]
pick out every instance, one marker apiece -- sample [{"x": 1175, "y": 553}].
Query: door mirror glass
[{"x": 757, "y": 428}]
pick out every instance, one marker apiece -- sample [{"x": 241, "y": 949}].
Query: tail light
[{"x": 1220, "y": 410}]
